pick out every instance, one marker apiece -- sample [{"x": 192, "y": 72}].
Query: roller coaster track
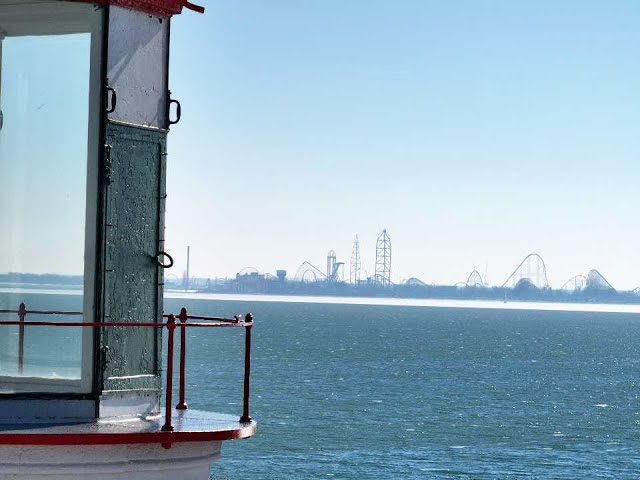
[
  {"x": 532, "y": 269},
  {"x": 596, "y": 281},
  {"x": 575, "y": 284},
  {"x": 308, "y": 273},
  {"x": 474, "y": 280}
]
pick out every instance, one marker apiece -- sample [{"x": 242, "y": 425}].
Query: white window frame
[{"x": 55, "y": 17}]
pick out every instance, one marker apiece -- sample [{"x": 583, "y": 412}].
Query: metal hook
[{"x": 164, "y": 265}]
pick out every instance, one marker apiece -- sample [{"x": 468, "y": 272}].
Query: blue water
[
  {"x": 48, "y": 352},
  {"x": 357, "y": 392},
  {"x": 364, "y": 392}
]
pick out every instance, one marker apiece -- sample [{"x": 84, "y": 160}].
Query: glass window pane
[{"x": 44, "y": 99}]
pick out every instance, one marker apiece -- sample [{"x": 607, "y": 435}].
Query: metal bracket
[
  {"x": 105, "y": 352},
  {"x": 178, "y": 110},
  {"x": 111, "y": 100}
]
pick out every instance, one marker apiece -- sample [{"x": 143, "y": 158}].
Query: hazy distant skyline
[
  {"x": 474, "y": 132},
  {"x": 516, "y": 271}
]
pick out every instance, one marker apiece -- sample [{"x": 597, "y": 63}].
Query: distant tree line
[
  {"x": 42, "y": 279},
  {"x": 524, "y": 291}
]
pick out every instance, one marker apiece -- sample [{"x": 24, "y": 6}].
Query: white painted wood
[
  {"x": 136, "y": 67},
  {"x": 94, "y": 157},
  {"x": 184, "y": 461},
  {"x": 128, "y": 404},
  {"x": 21, "y": 384},
  {"x": 49, "y": 17}
]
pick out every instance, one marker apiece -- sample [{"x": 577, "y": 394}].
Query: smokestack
[{"x": 186, "y": 286}]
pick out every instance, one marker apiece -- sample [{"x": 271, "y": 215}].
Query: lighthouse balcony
[{"x": 36, "y": 411}]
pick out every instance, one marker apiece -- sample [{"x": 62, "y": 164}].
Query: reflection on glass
[{"x": 43, "y": 162}]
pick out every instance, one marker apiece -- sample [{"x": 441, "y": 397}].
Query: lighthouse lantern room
[{"x": 85, "y": 110}]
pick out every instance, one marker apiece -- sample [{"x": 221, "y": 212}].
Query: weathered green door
[{"x": 134, "y": 234}]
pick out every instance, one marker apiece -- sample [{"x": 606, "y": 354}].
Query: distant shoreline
[
  {"x": 370, "y": 292},
  {"x": 412, "y": 302},
  {"x": 373, "y": 301}
]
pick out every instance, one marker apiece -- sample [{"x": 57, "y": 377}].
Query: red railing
[{"x": 171, "y": 325}]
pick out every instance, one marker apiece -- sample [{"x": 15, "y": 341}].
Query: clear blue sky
[{"x": 474, "y": 131}]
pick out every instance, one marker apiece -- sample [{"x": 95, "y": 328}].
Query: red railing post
[
  {"x": 171, "y": 326},
  {"x": 22, "y": 313},
  {"x": 247, "y": 368},
  {"x": 182, "y": 404}
]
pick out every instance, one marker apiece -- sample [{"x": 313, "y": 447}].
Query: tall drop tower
[
  {"x": 354, "y": 271},
  {"x": 383, "y": 259},
  {"x": 331, "y": 263},
  {"x": 187, "y": 277},
  {"x": 334, "y": 268}
]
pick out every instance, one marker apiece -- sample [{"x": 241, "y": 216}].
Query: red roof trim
[{"x": 158, "y": 8}]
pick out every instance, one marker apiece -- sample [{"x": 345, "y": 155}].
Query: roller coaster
[
  {"x": 575, "y": 284},
  {"x": 596, "y": 281},
  {"x": 308, "y": 273},
  {"x": 531, "y": 271},
  {"x": 474, "y": 280},
  {"x": 415, "y": 282}
]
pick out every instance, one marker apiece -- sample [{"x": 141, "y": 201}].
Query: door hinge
[
  {"x": 107, "y": 164},
  {"x": 105, "y": 359}
]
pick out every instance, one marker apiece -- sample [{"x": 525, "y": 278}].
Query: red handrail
[
  {"x": 22, "y": 313},
  {"x": 182, "y": 404},
  {"x": 247, "y": 368},
  {"x": 171, "y": 325}
]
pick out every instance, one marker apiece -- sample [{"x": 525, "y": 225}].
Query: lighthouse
[{"x": 85, "y": 110}]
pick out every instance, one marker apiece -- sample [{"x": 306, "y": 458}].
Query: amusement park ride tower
[{"x": 103, "y": 420}]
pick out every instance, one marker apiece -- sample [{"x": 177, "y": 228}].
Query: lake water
[{"x": 352, "y": 391}]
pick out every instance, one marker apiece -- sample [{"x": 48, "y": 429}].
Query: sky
[{"x": 475, "y": 132}]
